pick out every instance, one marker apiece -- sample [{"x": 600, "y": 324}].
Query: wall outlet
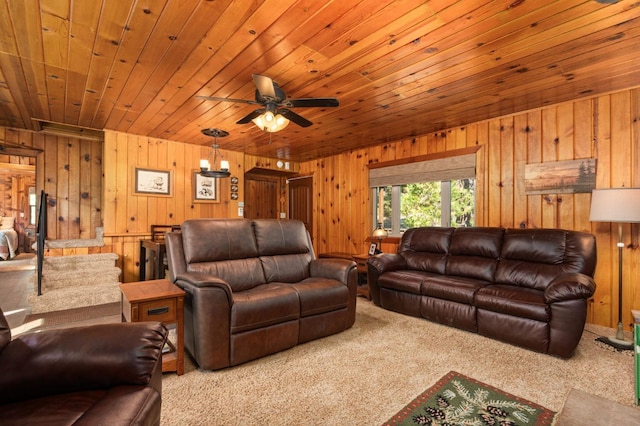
[
  {"x": 283, "y": 215},
  {"x": 240, "y": 211}
]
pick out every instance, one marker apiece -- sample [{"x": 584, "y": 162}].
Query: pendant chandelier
[{"x": 205, "y": 165}]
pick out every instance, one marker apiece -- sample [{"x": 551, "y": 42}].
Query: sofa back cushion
[
  {"x": 426, "y": 248},
  {"x": 224, "y": 248},
  {"x": 285, "y": 249},
  {"x": 474, "y": 252},
  {"x": 533, "y": 257}
]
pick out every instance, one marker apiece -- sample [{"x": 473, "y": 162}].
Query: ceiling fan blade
[
  {"x": 265, "y": 86},
  {"x": 247, "y": 118},
  {"x": 214, "y": 98},
  {"x": 310, "y": 102},
  {"x": 299, "y": 120}
]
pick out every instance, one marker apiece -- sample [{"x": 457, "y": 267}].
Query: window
[
  {"x": 445, "y": 203},
  {"x": 434, "y": 192},
  {"x": 32, "y": 205}
]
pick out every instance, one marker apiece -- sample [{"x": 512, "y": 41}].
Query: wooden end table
[
  {"x": 157, "y": 300},
  {"x": 361, "y": 266}
]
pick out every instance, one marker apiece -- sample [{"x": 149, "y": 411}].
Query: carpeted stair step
[
  {"x": 77, "y": 281},
  {"x": 79, "y": 262}
]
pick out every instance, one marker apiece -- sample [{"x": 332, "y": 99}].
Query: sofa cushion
[
  {"x": 262, "y": 306},
  {"x": 289, "y": 268},
  {"x": 240, "y": 274},
  {"x": 210, "y": 240},
  {"x": 513, "y": 301},
  {"x": 284, "y": 249},
  {"x": 405, "y": 281},
  {"x": 320, "y": 295},
  {"x": 279, "y": 237},
  {"x": 535, "y": 245},
  {"x": 474, "y": 252},
  {"x": 482, "y": 242},
  {"x": 457, "y": 289},
  {"x": 532, "y": 258},
  {"x": 426, "y": 249}
]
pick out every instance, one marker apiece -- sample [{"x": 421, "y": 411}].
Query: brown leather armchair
[{"x": 100, "y": 374}]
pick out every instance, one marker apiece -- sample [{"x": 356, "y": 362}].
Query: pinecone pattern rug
[{"x": 460, "y": 400}]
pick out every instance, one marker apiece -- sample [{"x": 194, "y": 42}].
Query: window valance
[{"x": 459, "y": 164}]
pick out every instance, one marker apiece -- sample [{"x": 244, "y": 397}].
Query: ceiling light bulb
[{"x": 268, "y": 116}]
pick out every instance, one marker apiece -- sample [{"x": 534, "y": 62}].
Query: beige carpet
[{"x": 366, "y": 374}]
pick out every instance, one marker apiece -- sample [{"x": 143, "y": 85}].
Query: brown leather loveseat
[
  {"x": 527, "y": 287},
  {"x": 107, "y": 374},
  {"x": 255, "y": 288}
]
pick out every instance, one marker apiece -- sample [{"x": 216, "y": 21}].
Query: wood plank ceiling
[{"x": 399, "y": 68}]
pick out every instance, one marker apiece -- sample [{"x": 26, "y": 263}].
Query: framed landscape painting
[{"x": 560, "y": 177}]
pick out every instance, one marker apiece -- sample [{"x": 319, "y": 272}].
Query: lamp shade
[
  {"x": 379, "y": 232},
  {"x": 615, "y": 205}
]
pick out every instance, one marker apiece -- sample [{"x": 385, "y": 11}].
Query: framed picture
[
  {"x": 560, "y": 177},
  {"x": 205, "y": 189},
  {"x": 152, "y": 182},
  {"x": 372, "y": 249}
]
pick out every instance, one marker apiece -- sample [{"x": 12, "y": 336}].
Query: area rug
[{"x": 460, "y": 400}]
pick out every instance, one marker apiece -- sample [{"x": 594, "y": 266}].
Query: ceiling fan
[{"x": 274, "y": 102}]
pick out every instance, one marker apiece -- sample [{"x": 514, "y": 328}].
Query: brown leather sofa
[
  {"x": 527, "y": 287},
  {"x": 255, "y": 288},
  {"x": 107, "y": 374}
]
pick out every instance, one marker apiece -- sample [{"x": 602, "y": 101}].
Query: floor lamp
[{"x": 621, "y": 205}]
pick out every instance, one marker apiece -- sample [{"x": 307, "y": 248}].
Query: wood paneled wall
[
  {"x": 128, "y": 216},
  {"x": 71, "y": 174},
  {"x": 606, "y": 128}
]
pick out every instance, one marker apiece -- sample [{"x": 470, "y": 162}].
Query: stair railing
[{"x": 41, "y": 236}]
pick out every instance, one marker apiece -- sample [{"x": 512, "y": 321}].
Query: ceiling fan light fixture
[
  {"x": 268, "y": 122},
  {"x": 205, "y": 165}
]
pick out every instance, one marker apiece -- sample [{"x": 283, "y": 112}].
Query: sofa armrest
[
  {"x": 200, "y": 279},
  {"x": 337, "y": 269},
  {"x": 376, "y": 265},
  {"x": 80, "y": 358},
  {"x": 385, "y": 262},
  {"x": 569, "y": 287}
]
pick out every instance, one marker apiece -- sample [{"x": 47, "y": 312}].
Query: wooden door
[
  {"x": 261, "y": 197},
  {"x": 301, "y": 200}
]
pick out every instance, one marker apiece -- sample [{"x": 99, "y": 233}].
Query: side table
[
  {"x": 363, "y": 280},
  {"x": 157, "y": 300}
]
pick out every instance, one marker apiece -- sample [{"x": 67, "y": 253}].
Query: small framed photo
[
  {"x": 205, "y": 189},
  {"x": 152, "y": 182},
  {"x": 372, "y": 249}
]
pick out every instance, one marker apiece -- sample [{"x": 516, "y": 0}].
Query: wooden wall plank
[
  {"x": 520, "y": 199},
  {"x": 507, "y": 161},
  {"x": 604, "y": 312},
  {"x": 493, "y": 206}
]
